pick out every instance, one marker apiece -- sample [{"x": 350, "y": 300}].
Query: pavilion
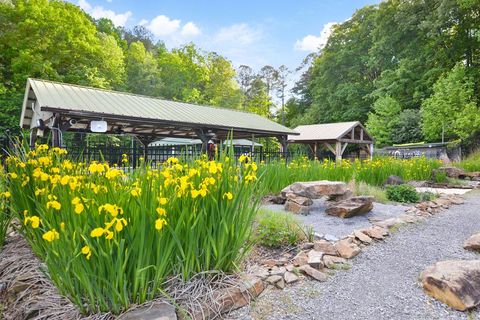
[
  {"x": 334, "y": 136},
  {"x": 61, "y": 107}
]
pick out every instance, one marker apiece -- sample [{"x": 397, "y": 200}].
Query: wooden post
[
  {"x": 371, "y": 150},
  {"x": 315, "y": 151},
  {"x": 338, "y": 152},
  {"x": 56, "y": 133},
  {"x": 283, "y": 144},
  {"x": 33, "y": 138}
]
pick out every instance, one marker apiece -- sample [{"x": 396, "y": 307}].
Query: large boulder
[
  {"x": 473, "y": 243},
  {"x": 454, "y": 282},
  {"x": 350, "y": 207},
  {"x": 319, "y": 189}
]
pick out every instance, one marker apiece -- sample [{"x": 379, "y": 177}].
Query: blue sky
[{"x": 249, "y": 32}]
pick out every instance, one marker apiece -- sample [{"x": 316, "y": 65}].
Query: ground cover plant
[
  {"x": 110, "y": 239},
  {"x": 277, "y": 229},
  {"x": 5, "y": 216},
  {"x": 278, "y": 174},
  {"x": 402, "y": 193}
]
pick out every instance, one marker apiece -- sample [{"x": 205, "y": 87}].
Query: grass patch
[
  {"x": 277, "y": 229},
  {"x": 363, "y": 189},
  {"x": 341, "y": 266},
  {"x": 470, "y": 163}
]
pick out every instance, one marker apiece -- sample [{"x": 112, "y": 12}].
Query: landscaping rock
[
  {"x": 260, "y": 272},
  {"x": 335, "y": 198},
  {"x": 362, "y": 237},
  {"x": 290, "y": 277},
  {"x": 454, "y": 282},
  {"x": 307, "y": 246},
  {"x": 275, "y": 199},
  {"x": 296, "y": 208},
  {"x": 155, "y": 311},
  {"x": 300, "y": 259},
  {"x": 315, "y": 259},
  {"x": 303, "y": 201},
  {"x": 347, "y": 248},
  {"x": 273, "y": 279},
  {"x": 330, "y": 261},
  {"x": 318, "y": 189},
  {"x": 376, "y": 232},
  {"x": 451, "y": 172},
  {"x": 313, "y": 273},
  {"x": 325, "y": 247},
  {"x": 394, "y": 180},
  {"x": 473, "y": 243},
  {"x": 351, "y": 207},
  {"x": 388, "y": 223},
  {"x": 284, "y": 192},
  {"x": 274, "y": 262},
  {"x": 278, "y": 271}
]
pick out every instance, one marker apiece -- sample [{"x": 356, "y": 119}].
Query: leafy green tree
[
  {"x": 451, "y": 110},
  {"x": 383, "y": 119},
  {"x": 142, "y": 74},
  {"x": 258, "y": 101},
  {"x": 407, "y": 128}
]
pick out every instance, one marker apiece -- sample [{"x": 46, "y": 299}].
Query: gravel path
[
  {"x": 324, "y": 224},
  {"x": 383, "y": 281}
]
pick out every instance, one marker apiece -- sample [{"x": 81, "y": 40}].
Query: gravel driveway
[{"x": 383, "y": 281}]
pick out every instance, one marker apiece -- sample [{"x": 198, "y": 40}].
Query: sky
[{"x": 249, "y": 32}]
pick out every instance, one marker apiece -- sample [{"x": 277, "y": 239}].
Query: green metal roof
[{"x": 73, "y": 101}]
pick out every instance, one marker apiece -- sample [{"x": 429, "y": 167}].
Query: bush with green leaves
[
  {"x": 277, "y": 229},
  {"x": 402, "y": 193}
]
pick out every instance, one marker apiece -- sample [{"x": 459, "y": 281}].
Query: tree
[
  {"x": 281, "y": 83},
  {"x": 142, "y": 74},
  {"x": 451, "y": 111},
  {"x": 258, "y": 101},
  {"x": 269, "y": 76},
  {"x": 383, "y": 119},
  {"x": 407, "y": 128}
]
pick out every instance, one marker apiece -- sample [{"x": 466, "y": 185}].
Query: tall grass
[
  {"x": 277, "y": 175},
  {"x": 110, "y": 239},
  {"x": 5, "y": 215},
  {"x": 470, "y": 163}
]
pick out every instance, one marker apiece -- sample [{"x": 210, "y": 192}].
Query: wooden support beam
[
  {"x": 361, "y": 134},
  {"x": 344, "y": 147},
  {"x": 355, "y": 141},
  {"x": 329, "y": 147},
  {"x": 33, "y": 138},
  {"x": 315, "y": 151},
  {"x": 353, "y": 134}
]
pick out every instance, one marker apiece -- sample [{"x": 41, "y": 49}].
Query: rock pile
[
  {"x": 298, "y": 198},
  {"x": 457, "y": 173}
]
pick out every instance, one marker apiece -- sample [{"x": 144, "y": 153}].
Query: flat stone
[
  {"x": 296, "y": 208},
  {"x": 315, "y": 259},
  {"x": 351, "y": 207},
  {"x": 454, "y": 282},
  {"x": 347, "y": 249},
  {"x": 303, "y": 201},
  {"x": 451, "y": 172},
  {"x": 313, "y": 273},
  {"x": 362, "y": 237},
  {"x": 407, "y": 218},
  {"x": 335, "y": 198},
  {"x": 325, "y": 246},
  {"x": 307, "y": 245},
  {"x": 300, "y": 259},
  {"x": 284, "y": 192},
  {"x": 261, "y": 272},
  {"x": 290, "y": 277},
  {"x": 278, "y": 270},
  {"x": 319, "y": 189},
  {"x": 290, "y": 268},
  {"x": 156, "y": 311},
  {"x": 274, "y": 279},
  {"x": 457, "y": 200},
  {"x": 376, "y": 232},
  {"x": 274, "y": 262},
  {"x": 280, "y": 284},
  {"x": 473, "y": 243},
  {"x": 330, "y": 261}
]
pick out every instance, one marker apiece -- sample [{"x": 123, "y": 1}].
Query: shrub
[
  {"x": 440, "y": 177},
  {"x": 110, "y": 239},
  {"x": 470, "y": 163},
  {"x": 277, "y": 229},
  {"x": 427, "y": 196},
  {"x": 363, "y": 189},
  {"x": 402, "y": 193}
]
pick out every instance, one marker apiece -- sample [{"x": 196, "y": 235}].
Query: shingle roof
[
  {"x": 324, "y": 131},
  {"x": 67, "y": 98}
]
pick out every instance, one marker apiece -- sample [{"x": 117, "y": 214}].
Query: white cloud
[
  {"x": 241, "y": 34},
  {"x": 163, "y": 26},
  {"x": 118, "y": 19},
  {"x": 190, "y": 29},
  {"x": 143, "y": 22},
  {"x": 109, "y": 1},
  {"x": 312, "y": 43}
]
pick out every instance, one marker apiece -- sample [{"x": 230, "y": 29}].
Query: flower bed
[{"x": 110, "y": 239}]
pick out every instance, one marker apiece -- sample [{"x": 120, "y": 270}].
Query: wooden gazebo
[{"x": 334, "y": 136}]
